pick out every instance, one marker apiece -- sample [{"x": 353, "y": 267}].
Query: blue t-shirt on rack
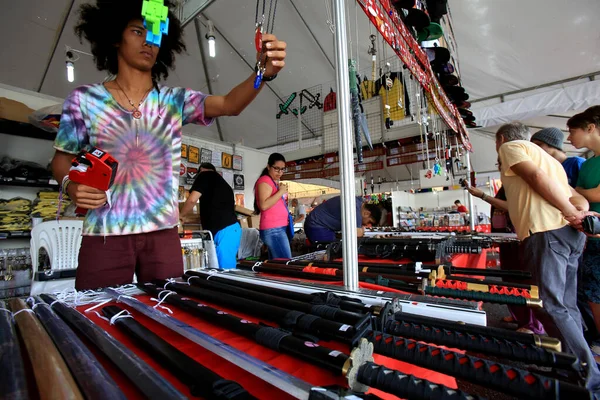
[{"x": 572, "y": 165}]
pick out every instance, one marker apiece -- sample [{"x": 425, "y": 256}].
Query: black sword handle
[
  {"x": 477, "y": 370},
  {"x": 407, "y": 386},
  {"x": 486, "y": 344}
]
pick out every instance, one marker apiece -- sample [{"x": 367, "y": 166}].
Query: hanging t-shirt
[
  {"x": 144, "y": 194},
  {"x": 572, "y": 165},
  {"x": 589, "y": 178},
  {"x": 217, "y": 203}
]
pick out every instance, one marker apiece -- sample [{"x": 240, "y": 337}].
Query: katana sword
[
  {"x": 434, "y": 307},
  {"x": 391, "y": 272},
  {"x": 202, "y": 381},
  {"x": 357, "y": 368},
  {"x": 532, "y": 349},
  {"x": 478, "y": 370},
  {"x": 472, "y": 368},
  {"x": 52, "y": 376},
  {"x": 326, "y": 298},
  {"x": 290, "y": 384},
  {"x": 13, "y": 384},
  {"x": 321, "y": 310},
  {"x": 92, "y": 378},
  {"x": 145, "y": 378},
  {"x": 424, "y": 287},
  {"x": 416, "y": 268},
  {"x": 288, "y": 319},
  {"x": 430, "y": 330}
]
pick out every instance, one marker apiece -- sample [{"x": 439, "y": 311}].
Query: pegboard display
[
  {"x": 393, "y": 105},
  {"x": 300, "y": 116}
]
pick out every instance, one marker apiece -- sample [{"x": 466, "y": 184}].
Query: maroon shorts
[{"x": 112, "y": 262}]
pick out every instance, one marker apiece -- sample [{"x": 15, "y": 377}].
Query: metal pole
[
  {"x": 350, "y": 249},
  {"x": 300, "y": 123},
  {"x": 472, "y": 215}
]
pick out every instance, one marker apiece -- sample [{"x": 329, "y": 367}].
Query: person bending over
[
  {"x": 139, "y": 122},
  {"x": 326, "y": 219},
  {"x": 217, "y": 213}
]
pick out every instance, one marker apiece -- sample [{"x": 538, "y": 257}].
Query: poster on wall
[
  {"x": 184, "y": 151},
  {"x": 226, "y": 160},
  {"x": 238, "y": 182},
  {"x": 216, "y": 159},
  {"x": 206, "y": 156},
  {"x": 191, "y": 175},
  {"x": 194, "y": 155},
  {"x": 228, "y": 176},
  {"x": 237, "y": 163},
  {"x": 239, "y": 200}
]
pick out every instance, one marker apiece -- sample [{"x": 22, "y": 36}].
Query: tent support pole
[{"x": 349, "y": 241}]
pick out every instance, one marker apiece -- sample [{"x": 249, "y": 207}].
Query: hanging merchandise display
[
  {"x": 330, "y": 101},
  {"x": 385, "y": 18},
  {"x": 368, "y": 86},
  {"x": 359, "y": 120},
  {"x": 284, "y": 107},
  {"x": 263, "y": 25}
]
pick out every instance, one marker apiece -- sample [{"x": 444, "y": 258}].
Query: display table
[
  {"x": 255, "y": 386},
  {"x": 463, "y": 228}
]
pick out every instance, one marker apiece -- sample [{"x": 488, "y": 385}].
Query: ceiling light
[
  {"x": 210, "y": 35},
  {"x": 70, "y": 66}
]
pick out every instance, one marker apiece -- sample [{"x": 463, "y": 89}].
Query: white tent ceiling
[{"x": 502, "y": 46}]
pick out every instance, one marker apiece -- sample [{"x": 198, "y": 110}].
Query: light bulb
[
  {"x": 70, "y": 71},
  {"x": 211, "y": 46}
]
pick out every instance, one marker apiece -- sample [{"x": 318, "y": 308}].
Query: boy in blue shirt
[{"x": 551, "y": 141}]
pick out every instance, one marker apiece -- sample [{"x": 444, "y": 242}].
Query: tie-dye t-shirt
[{"x": 144, "y": 194}]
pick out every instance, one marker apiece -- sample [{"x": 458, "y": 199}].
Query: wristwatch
[
  {"x": 265, "y": 78},
  {"x": 483, "y": 196}
]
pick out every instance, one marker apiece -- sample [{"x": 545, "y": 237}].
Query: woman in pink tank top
[{"x": 270, "y": 201}]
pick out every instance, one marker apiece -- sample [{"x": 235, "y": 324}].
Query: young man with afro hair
[{"x": 139, "y": 122}]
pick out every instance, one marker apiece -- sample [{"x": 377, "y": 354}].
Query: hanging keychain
[
  {"x": 258, "y": 30},
  {"x": 259, "y": 24}
]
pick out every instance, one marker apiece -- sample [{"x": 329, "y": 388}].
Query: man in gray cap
[{"x": 551, "y": 141}]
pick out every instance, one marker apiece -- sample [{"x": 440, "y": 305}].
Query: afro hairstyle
[{"x": 103, "y": 24}]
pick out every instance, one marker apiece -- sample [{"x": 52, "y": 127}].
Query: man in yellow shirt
[{"x": 541, "y": 205}]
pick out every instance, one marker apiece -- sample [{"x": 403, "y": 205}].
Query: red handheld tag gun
[{"x": 96, "y": 169}]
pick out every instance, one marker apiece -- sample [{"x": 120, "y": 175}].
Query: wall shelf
[{"x": 24, "y": 130}]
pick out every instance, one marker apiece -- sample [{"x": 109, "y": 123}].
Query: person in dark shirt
[
  {"x": 217, "y": 213},
  {"x": 551, "y": 141},
  {"x": 326, "y": 219}
]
